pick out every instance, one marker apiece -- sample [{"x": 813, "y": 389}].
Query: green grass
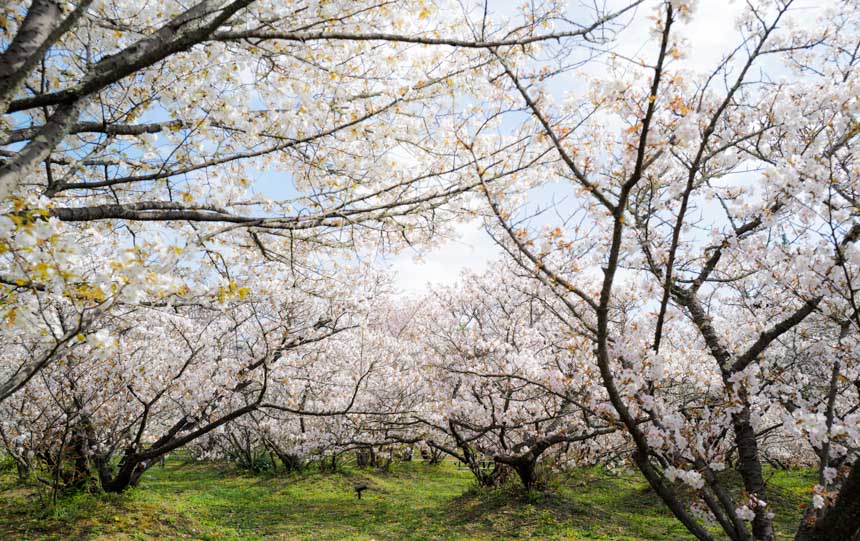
[{"x": 414, "y": 501}]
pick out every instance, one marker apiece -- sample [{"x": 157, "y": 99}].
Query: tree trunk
[
  {"x": 840, "y": 522},
  {"x": 128, "y": 473},
  {"x": 526, "y": 471},
  {"x": 749, "y": 467}
]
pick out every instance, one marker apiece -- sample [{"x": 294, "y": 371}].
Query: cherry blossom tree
[
  {"x": 505, "y": 382},
  {"x": 358, "y": 391},
  {"x": 152, "y": 379},
  {"x": 705, "y": 248}
]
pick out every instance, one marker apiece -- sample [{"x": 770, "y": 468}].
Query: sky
[{"x": 711, "y": 33}]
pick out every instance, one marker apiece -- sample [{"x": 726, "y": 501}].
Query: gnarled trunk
[{"x": 840, "y": 522}]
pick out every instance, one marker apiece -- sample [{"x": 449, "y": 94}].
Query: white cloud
[{"x": 473, "y": 249}]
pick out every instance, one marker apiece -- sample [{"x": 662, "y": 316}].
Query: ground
[{"x": 208, "y": 501}]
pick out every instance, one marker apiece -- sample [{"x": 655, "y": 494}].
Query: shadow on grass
[
  {"x": 415, "y": 501},
  {"x": 597, "y": 508}
]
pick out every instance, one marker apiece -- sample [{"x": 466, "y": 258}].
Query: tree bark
[{"x": 840, "y": 522}]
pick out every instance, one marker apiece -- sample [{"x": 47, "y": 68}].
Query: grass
[{"x": 215, "y": 502}]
